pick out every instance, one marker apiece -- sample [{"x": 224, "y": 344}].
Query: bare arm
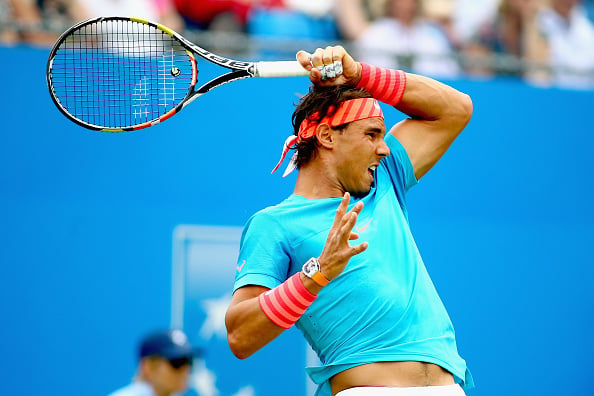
[
  {"x": 248, "y": 329},
  {"x": 438, "y": 114}
]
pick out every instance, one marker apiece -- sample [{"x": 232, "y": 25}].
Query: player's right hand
[{"x": 330, "y": 66}]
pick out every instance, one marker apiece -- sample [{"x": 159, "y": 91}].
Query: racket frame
[{"x": 238, "y": 70}]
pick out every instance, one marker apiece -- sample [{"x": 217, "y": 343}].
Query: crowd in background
[{"x": 544, "y": 42}]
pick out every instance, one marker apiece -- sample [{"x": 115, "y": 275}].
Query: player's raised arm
[{"x": 438, "y": 112}]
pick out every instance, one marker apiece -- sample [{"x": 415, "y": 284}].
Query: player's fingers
[
  {"x": 340, "y": 218},
  {"x": 304, "y": 58},
  {"x": 326, "y": 68},
  {"x": 328, "y": 56},
  {"x": 338, "y": 52},
  {"x": 347, "y": 220},
  {"x": 353, "y": 236},
  {"x": 331, "y": 63},
  {"x": 341, "y": 210},
  {"x": 316, "y": 61},
  {"x": 307, "y": 61},
  {"x": 346, "y": 229},
  {"x": 351, "y": 68},
  {"x": 359, "y": 248},
  {"x": 338, "y": 55},
  {"x": 358, "y": 207},
  {"x": 317, "y": 58}
]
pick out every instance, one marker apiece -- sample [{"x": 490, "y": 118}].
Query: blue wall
[{"x": 505, "y": 222}]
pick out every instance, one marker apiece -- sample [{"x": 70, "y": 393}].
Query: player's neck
[{"x": 315, "y": 182}]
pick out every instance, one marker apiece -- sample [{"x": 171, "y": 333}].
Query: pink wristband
[
  {"x": 385, "y": 85},
  {"x": 285, "y": 304}
]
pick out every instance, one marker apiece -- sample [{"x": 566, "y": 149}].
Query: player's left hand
[{"x": 330, "y": 66}]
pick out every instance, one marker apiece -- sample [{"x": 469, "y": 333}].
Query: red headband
[{"x": 348, "y": 111}]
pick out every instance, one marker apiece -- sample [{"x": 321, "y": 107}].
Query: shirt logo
[
  {"x": 240, "y": 267},
  {"x": 362, "y": 229}
]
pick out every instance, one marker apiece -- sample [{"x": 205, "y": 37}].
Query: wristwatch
[{"x": 311, "y": 269}]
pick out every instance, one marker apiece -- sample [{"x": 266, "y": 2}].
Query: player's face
[{"x": 359, "y": 149}]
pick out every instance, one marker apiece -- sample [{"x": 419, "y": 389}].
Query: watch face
[{"x": 311, "y": 267}]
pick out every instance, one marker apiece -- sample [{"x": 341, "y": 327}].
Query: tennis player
[{"x": 337, "y": 257}]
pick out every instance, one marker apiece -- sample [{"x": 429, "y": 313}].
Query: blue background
[{"x": 505, "y": 223}]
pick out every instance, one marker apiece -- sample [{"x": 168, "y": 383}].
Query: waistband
[{"x": 442, "y": 390}]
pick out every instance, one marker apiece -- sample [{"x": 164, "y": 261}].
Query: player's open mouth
[{"x": 371, "y": 170}]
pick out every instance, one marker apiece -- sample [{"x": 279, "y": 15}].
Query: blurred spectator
[
  {"x": 401, "y": 38},
  {"x": 38, "y": 22},
  {"x": 570, "y": 35},
  {"x": 470, "y": 14},
  {"x": 22, "y": 21},
  {"x": 8, "y": 33},
  {"x": 59, "y": 15},
  {"x": 510, "y": 44},
  {"x": 215, "y": 15},
  {"x": 165, "y": 359},
  {"x": 353, "y": 17},
  {"x": 161, "y": 11},
  {"x": 273, "y": 18},
  {"x": 442, "y": 13},
  {"x": 296, "y": 19}
]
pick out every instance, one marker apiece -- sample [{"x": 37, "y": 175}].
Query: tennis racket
[{"x": 116, "y": 74}]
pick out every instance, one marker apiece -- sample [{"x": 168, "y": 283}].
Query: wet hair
[{"x": 324, "y": 101}]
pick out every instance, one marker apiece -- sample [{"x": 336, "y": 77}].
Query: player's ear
[{"x": 324, "y": 134}]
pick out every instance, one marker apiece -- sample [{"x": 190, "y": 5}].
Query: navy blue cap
[{"x": 170, "y": 344}]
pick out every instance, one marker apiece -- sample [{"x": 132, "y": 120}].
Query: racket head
[{"x": 116, "y": 74}]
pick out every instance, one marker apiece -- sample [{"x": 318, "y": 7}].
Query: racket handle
[{"x": 279, "y": 69}]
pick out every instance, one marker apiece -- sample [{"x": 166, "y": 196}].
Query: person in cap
[
  {"x": 337, "y": 257},
  {"x": 165, "y": 359}
]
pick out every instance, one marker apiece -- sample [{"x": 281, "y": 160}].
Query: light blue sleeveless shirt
[{"x": 384, "y": 306}]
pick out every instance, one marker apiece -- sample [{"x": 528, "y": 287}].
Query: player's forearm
[{"x": 248, "y": 328}]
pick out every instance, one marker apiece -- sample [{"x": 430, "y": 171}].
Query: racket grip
[{"x": 279, "y": 69}]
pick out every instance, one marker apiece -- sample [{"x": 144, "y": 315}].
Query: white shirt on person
[
  {"x": 424, "y": 43},
  {"x": 571, "y": 48},
  {"x": 137, "y": 388}
]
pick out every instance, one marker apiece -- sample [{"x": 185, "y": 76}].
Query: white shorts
[{"x": 445, "y": 390}]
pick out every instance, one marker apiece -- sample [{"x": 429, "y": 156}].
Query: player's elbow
[
  {"x": 237, "y": 340},
  {"x": 462, "y": 110},
  {"x": 238, "y": 346}
]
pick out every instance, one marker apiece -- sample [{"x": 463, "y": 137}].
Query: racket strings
[{"x": 120, "y": 73}]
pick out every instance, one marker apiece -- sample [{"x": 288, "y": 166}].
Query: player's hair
[{"x": 315, "y": 105}]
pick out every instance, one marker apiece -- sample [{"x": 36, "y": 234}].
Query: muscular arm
[
  {"x": 438, "y": 114},
  {"x": 248, "y": 329}
]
